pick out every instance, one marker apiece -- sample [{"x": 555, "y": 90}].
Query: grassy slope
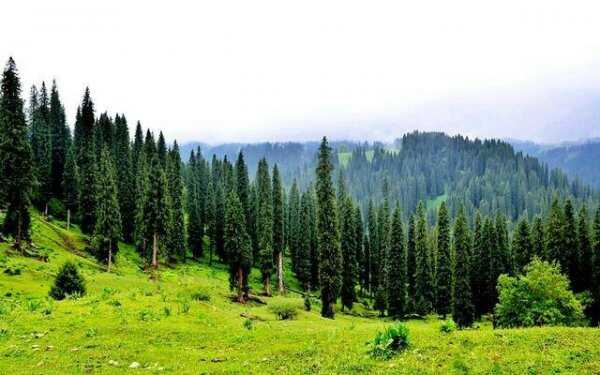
[{"x": 127, "y": 317}]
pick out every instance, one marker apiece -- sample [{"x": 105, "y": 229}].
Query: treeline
[{"x": 343, "y": 238}]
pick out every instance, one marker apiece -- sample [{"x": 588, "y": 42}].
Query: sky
[{"x": 246, "y": 71}]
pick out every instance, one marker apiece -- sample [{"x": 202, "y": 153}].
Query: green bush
[
  {"x": 56, "y": 208},
  {"x": 69, "y": 282},
  {"x": 539, "y": 297},
  {"x": 284, "y": 310},
  {"x": 448, "y": 326},
  {"x": 389, "y": 342}
]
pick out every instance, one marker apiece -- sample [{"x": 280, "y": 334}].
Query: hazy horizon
[{"x": 237, "y": 72}]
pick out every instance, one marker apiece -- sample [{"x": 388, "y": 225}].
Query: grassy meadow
[{"x": 183, "y": 322}]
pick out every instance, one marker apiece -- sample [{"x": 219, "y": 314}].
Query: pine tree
[
  {"x": 313, "y": 235},
  {"x": 71, "y": 185},
  {"x": 489, "y": 267},
  {"x": 295, "y": 231},
  {"x": 87, "y": 165},
  {"x": 505, "y": 259},
  {"x": 479, "y": 267},
  {"x": 397, "y": 277},
  {"x": 176, "y": 235},
  {"x": 108, "y": 217},
  {"x": 522, "y": 245},
  {"x": 141, "y": 193},
  {"x": 125, "y": 177},
  {"x": 220, "y": 206},
  {"x": 195, "y": 227},
  {"x": 462, "y": 305},
  {"x": 303, "y": 267},
  {"x": 348, "y": 249},
  {"x": 538, "y": 238},
  {"x": 329, "y": 246},
  {"x": 60, "y": 141},
  {"x": 138, "y": 145},
  {"x": 264, "y": 224},
  {"x": 149, "y": 145},
  {"x": 161, "y": 149},
  {"x": 570, "y": 249},
  {"x": 555, "y": 238},
  {"x": 211, "y": 218},
  {"x": 16, "y": 177},
  {"x": 411, "y": 264},
  {"x": 444, "y": 263},
  {"x": 584, "y": 259},
  {"x": 373, "y": 247},
  {"x": 156, "y": 208},
  {"x": 41, "y": 146},
  {"x": 361, "y": 260},
  {"x": 595, "y": 308},
  {"x": 243, "y": 190},
  {"x": 423, "y": 273},
  {"x": 237, "y": 246},
  {"x": 278, "y": 225}
]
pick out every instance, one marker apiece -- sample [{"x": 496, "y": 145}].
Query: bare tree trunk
[
  {"x": 68, "y": 218},
  {"x": 155, "y": 251},
  {"x": 240, "y": 285},
  {"x": 109, "y": 254},
  {"x": 267, "y": 284},
  {"x": 280, "y": 272}
]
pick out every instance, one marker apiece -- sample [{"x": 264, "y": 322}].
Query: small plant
[
  {"x": 448, "y": 326},
  {"x": 200, "y": 296},
  {"x": 184, "y": 308},
  {"x": 167, "y": 311},
  {"x": 389, "y": 342},
  {"x": 11, "y": 271},
  {"x": 284, "y": 310},
  {"x": 91, "y": 332},
  {"x": 248, "y": 324},
  {"x": 33, "y": 304},
  {"x": 69, "y": 282}
]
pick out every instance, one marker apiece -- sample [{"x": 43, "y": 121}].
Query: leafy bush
[
  {"x": 68, "y": 282},
  {"x": 539, "y": 297},
  {"x": 284, "y": 310},
  {"x": 448, "y": 326},
  {"x": 389, "y": 342}
]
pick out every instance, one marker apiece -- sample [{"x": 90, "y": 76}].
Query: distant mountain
[{"x": 576, "y": 159}]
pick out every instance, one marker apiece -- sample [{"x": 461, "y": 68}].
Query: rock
[
  {"x": 134, "y": 365},
  {"x": 113, "y": 363}
]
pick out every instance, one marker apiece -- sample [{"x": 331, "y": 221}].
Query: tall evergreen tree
[
  {"x": 156, "y": 208},
  {"x": 141, "y": 194},
  {"x": 41, "y": 146},
  {"x": 522, "y": 245},
  {"x": 411, "y": 263},
  {"x": 125, "y": 177},
  {"x": 397, "y": 277},
  {"x": 555, "y": 238},
  {"x": 569, "y": 253},
  {"x": 60, "y": 141},
  {"x": 444, "y": 263},
  {"x": 462, "y": 305},
  {"x": 176, "y": 234},
  {"x": 348, "y": 249},
  {"x": 595, "y": 308},
  {"x": 278, "y": 225},
  {"x": 423, "y": 272},
  {"x": 505, "y": 259},
  {"x": 211, "y": 218},
  {"x": 195, "y": 227},
  {"x": 303, "y": 255},
  {"x": 108, "y": 217},
  {"x": 373, "y": 247},
  {"x": 16, "y": 177},
  {"x": 538, "y": 238},
  {"x": 237, "y": 245},
  {"x": 264, "y": 224},
  {"x": 329, "y": 246},
  {"x": 294, "y": 238},
  {"x": 584, "y": 259},
  {"x": 479, "y": 265},
  {"x": 87, "y": 165},
  {"x": 71, "y": 185},
  {"x": 161, "y": 149},
  {"x": 489, "y": 266}
]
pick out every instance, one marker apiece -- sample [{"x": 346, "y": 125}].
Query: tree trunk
[
  {"x": 267, "y": 284},
  {"x": 109, "y": 254},
  {"x": 240, "y": 285},
  {"x": 280, "y": 272},
  {"x": 68, "y": 218},
  {"x": 155, "y": 251},
  {"x": 46, "y": 211}
]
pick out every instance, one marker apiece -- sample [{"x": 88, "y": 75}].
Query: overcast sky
[{"x": 218, "y": 71}]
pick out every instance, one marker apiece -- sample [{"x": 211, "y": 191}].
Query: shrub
[
  {"x": 200, "y": 296},
  {"x": 389, "y": 342},
  {"x": 68, "y": 282},
  {"x": 539, "y": 297},
  {"x": 284, "y": 310},
  {"x": 448, "y": 326},
  {"x": 248, "y": 324}
]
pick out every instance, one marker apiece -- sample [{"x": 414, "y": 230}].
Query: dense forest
[{"x": 426, "y": 226}]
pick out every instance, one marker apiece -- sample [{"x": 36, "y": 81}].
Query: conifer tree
[
  {"x": 555, "y": 238},
  {"x": 237, "y": 245},
  {"x": 489, "y": 266},
  {"x": 538, "y": 238},
  {"x": 16, "y": 173},
  {"x": 397, "y": 278},
  {"x": 479, "y": 266},
  {"x": 348, "y": 249},
  {"x": 328, "y": 237},
  {"x": 41, "y": 146},
  {"x": 278, "y": 225},
  {"x": 138, "y": 145},
  {"x": 161, "y": 149},
  {"x": 220, "y": 207},
  {"x": 444, "y": 263},
  {"x": 505, "y": 259},
  {"x": 584, "y": 259},
  {"x": 522, "y": 245},
  {"x": 303, "y": 256},
  {"x": 423, "y": 273},
  {"x": 569, "y": 253},
  {"x": 373, "y": 247},
  {"x": 264, "y": 224},
  {"x": 71, "y": 185},
  {"x": 155, "y": 210},
  {"x": 87, "y": 165},
  {"x": 462, "y": 305},
  {"x": 595, "y": 308},
  {"x": 211, "y": 218},
  {"x": 195, "y": 227},
  {"x": 108, "y": 217},
  {"x": 361, "y": 260},
  {"x": 411, "y": 263},
  {"x": 314, "y": 239},
  {"x": 176, "y": 234},
  {"x": 243, "y": 190},
  {"x": 125, "y": 177},
  {"x": 60, "y": 141},
  {"x": 295, "y": 232},
  {"x": 141, "y": 193},
  {"x": 149, "y": 146}
]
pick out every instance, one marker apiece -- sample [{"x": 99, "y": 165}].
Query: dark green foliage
[
  {"x": 294, "y": 237},
  {"x": 161, "y": 149},
  {"x": 125, "y": 176},
  {"x": 555, "y": 238},
  {"x": 303, "y": 252},
  {"x": 569, "y": 253},
  {"x": 141, "y": 193},
  {"x": 504, "y": 257},
  {"x": 264, "y": 224},
  {"x": 462, "y": 303},
  {"x": 584, "y": 258},
  {"x": 195, "y": 227},
  {"x": 444, "y": 263},
  {"x": 41, "y": 145},
  {"x": 393, "y": 340},
  {"x": 411, "y": 263},
  {"x": 349, "y": 251},
  {"x": 86, "y": 160},
  {"x": 278, "y": 225},
  {"x": 373, "y": 247},
  {"x": 478, "y": 267},
  {"x": 397, "y": 266},
  {"x": 68, "y": 282},
  {"x": 16, "y": 173},
  {"x": 595, "y": 308},
  {"x": 522, "y": 245},
  {"x": 327, "y": 223},
  {"x": 60, "y": 141},
  {"x": 71, "y": 182},
  {"x": 108, "y": 217},
  {"x": 538, "y": 238},
  {"x": 156, "y": 215},
  {"x": 237, "y": 246},
  {"x": 423, "y": 272},
  {"x": 539, "y": 297},
  {"x": 176, "y": 234}
]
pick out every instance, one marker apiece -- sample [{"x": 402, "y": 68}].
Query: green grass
[{"x": 126, "y": 317}]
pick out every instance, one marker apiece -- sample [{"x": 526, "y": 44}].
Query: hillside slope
[{"x": 185, "y": 323}]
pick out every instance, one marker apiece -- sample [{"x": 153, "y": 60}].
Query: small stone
[
  {"x": 134, "y": 365},
  {"x": 113, "y": 363}
]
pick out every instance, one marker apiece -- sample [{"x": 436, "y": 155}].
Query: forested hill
[{"x": 483, "y": 174}]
